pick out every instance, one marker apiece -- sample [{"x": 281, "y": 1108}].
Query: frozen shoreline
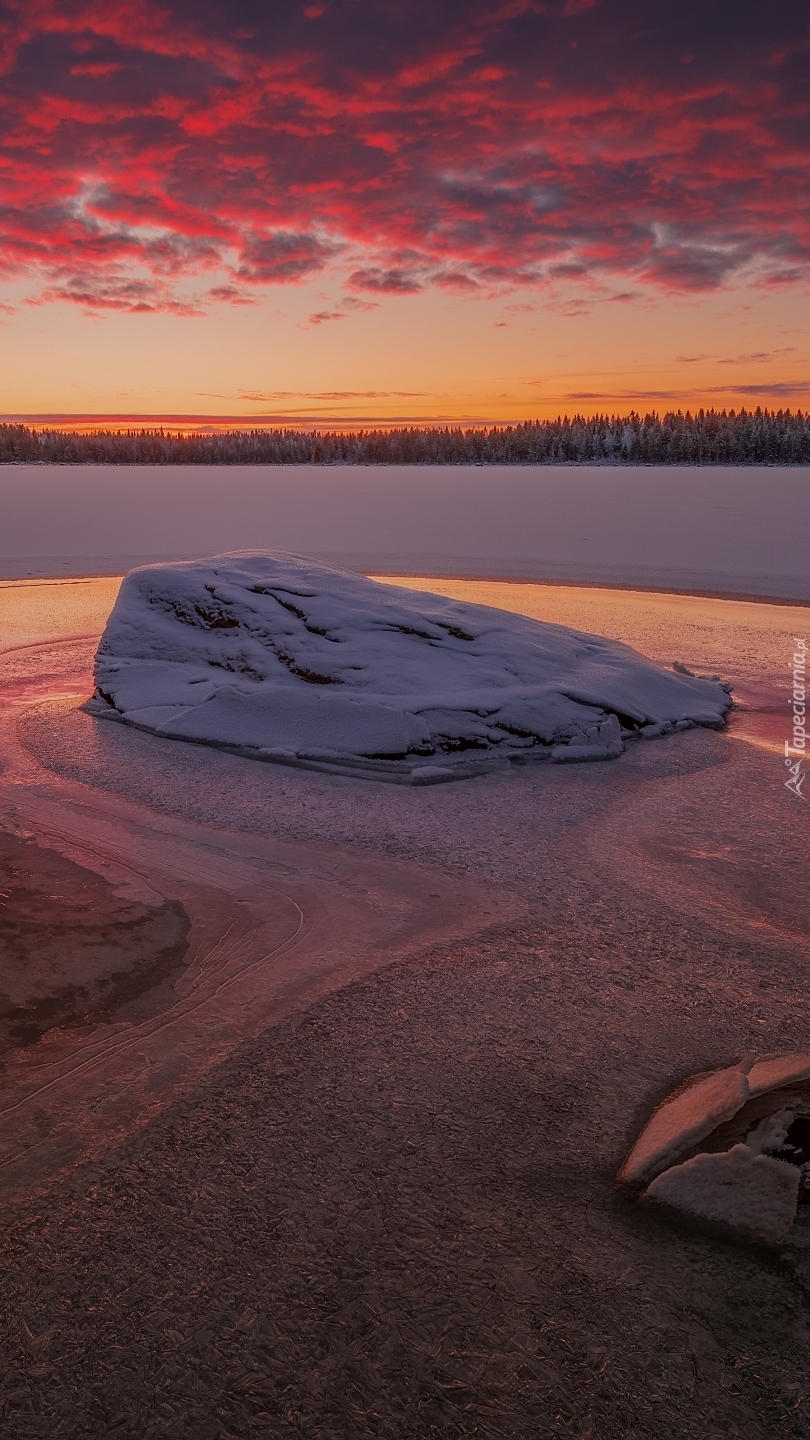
[
  {"x": 443, "y": 1134},
  {"x": 52, "y": 571}
]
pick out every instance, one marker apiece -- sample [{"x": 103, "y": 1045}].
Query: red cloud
[
  {"x": 455, "y": 144},
  {"x": 112, "y": 292},
  {"x": 281, "y": 258},
  {"x": 97, "y": 71},
  {"x": 387, "y": 282}
]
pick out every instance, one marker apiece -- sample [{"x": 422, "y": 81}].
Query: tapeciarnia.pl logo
[{"x": 798, "y": 745}]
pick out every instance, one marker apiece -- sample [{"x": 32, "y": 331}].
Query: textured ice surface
[
  {"x": 755, "y": 1194},
  {"x": 685, "y": 1118},
  {"x": 297, "y": 660}
]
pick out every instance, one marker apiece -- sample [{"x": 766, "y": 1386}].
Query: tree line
[{"x": 708, "y": 437}]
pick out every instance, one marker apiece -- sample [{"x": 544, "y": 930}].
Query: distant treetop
[{"x": 709, "y": 437}]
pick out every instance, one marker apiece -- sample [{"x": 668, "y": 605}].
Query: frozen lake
[{"x": 725, "y": 530}]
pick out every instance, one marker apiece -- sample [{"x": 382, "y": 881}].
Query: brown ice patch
[
  {"x": 74, "y": 951},
  {"x": 274, "y": 925},
  {"x": 710, "y": 841}
]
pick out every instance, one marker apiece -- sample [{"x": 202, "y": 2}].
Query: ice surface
[
  {"x": 689, "y": 1115},
  {"x": 753, "y": 1193},
  {"x": 296, "y": 659},
  {"x": 694, "y": 528}
]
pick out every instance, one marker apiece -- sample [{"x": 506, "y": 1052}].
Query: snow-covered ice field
[
  {"x": 726, "y": 529},
  {"x": 421, "y": 1178}
]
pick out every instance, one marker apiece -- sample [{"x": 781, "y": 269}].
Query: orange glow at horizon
[{"x": 421, "y": 360}]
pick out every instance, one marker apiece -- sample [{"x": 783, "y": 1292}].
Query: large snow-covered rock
[{"x": 296, "y": 660}]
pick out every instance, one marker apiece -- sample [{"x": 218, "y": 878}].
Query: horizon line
[{"x": 181, "y": 421}]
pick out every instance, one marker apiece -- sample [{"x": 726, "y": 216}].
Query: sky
[{"x": 348, "y": 212}]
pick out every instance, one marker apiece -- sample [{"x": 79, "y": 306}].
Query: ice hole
[{"x": 796, "y": 1151}]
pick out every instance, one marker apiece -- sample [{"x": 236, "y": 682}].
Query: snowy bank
[{"x": 292, "y": 660}]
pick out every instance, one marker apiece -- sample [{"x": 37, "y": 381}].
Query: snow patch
[
  {"x": 771, "y": 1133},
  {"x": 754, "y": 1194}
]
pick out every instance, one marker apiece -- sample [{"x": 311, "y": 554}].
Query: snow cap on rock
[
  {"x": 687, "y": 1116},
  {"x": 287, "y": 657},
  {"x": 775, "y": 1070}
]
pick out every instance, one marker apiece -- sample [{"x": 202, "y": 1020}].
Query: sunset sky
[{"x": 403, "y": 210}]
